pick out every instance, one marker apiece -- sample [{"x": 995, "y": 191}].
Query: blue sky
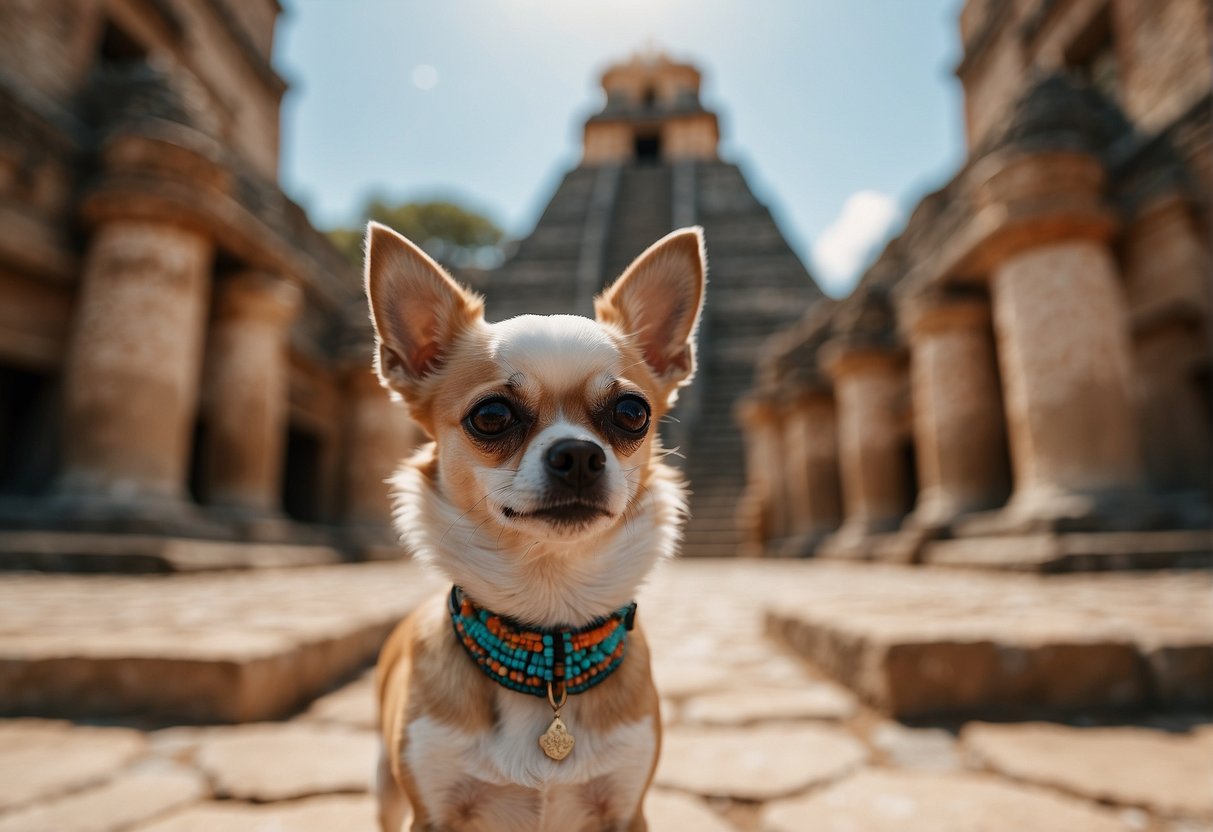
[{"x": 842, "y": 113}]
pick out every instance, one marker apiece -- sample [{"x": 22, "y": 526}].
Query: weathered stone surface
[
  {"x": 333, "y": 813},
  {"x": 95, "y": 552},
  {"x": 677, "y": 679},
  {"x": 352, "y": 705},
  {"x": 756, "y": 763},
  {"x": 821, "y": 700},
  {"x": 270, "y": 762},
  {"x": 114, "y": 805},
  {"x": 39, "y": 759},
  {"x": 668, "y": 811},
  {"x": 212, "y": 647},
  {"x": 1050, "y": 552},
  {"x": 882, "y": 801},
  {"x": 919, "y": 642},
  {"x": 1171, "y": 774},
  {"x": 925, "y": 749}
]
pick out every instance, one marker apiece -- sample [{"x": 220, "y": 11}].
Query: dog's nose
[{"x": 576, "y": 462}]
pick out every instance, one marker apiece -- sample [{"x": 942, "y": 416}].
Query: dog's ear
[
  {"x": 417, "y": 309},
  {"x": 657, "y": 302}
]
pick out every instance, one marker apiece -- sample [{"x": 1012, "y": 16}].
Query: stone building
[
  {"x": 1031, "y": 356},
  {"x": 181, "y": 352},
  {"x": 650, "y": 164}
]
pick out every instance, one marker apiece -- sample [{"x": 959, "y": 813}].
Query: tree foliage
[{"x": 449, "y": 232}]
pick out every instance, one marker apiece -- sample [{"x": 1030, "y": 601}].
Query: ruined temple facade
[
  {"x": 181, "y": 352},
  {"x": 1030, "y": 358},
  {"x": 650, "y": 165}
]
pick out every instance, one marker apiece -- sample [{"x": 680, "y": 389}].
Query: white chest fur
[{"x": 443, "y": 759}]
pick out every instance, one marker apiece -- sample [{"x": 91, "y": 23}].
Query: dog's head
[{"x": 544, "y": 427}]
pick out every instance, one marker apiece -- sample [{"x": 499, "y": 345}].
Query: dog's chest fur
[
  {"x": 468, "y": 748},
  {"x": 501, "y": 774}
]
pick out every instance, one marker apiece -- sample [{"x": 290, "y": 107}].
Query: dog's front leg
[{"x": 393, "y": 804}]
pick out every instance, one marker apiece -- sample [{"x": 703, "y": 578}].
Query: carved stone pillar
[
  {"x": 133, "y": 364},
  {"x": 1061, "y": 326},
  {"x": 380, "y": 434},
  {"x": 760, "y": 509},
  {"x": 1063, "y": 346},
  {"x": 811, "y": 458},
  {"x": 959, "y": 433},
  {"x": 869, "y": 386},
  {"x": 1166, "y": 266},
  {"x": 246, "y": 390}
]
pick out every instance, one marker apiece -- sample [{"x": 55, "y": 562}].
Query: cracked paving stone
[
  {"x": 1171, "y": 774},
  {"x": 887, "y": 801},
  {"x": 129, "y": 798},
  {"x": 41, "y": 758},
  {"x": 331, "y": 813},
  {"x": 274, "y": 761},
  {"x": 758, "y": 763}
]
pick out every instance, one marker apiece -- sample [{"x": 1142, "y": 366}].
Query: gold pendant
[{"x": 556, "y": 741}]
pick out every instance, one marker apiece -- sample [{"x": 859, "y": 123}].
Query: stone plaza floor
[{"x": 757, "y": 737}]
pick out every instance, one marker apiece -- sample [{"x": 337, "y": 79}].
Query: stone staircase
[
  {"x": 757, "y": 286},
  {"x": 597, "y": 222},
  {"x": 643, "y": 214}
]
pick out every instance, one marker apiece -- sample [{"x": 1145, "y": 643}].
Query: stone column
[
  {"x": 1166, "y": 266},
  {"x": 246, "y": 392},
  {"x": 380, "y": 434},
  {"x": 133, "y": 364},
  {"x": 959, "y": 433},
  {"x": 1063, "y": 346},
  {"x": 812, "y": 458},
  {"x": 869, "y": 385},
  {"x": 757, "y": 509}
]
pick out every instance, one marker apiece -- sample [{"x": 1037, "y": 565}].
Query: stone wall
[
  {"x": 1053, "y": 302},
  {"x": 1162, "y": 54},
  {"x": 192, "y": 339}
]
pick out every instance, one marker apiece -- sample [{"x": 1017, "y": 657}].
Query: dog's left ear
[{"x": 657, "y": 302}]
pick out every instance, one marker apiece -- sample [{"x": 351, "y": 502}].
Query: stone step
[
  {"x": 933, "y": 643},
  {"x": 215, "y": 647},
  {"x": 97, "y": 552},
  {"x": 1076, "y": 552}
]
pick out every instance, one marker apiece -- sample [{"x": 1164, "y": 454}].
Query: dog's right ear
[{"x": 417, "y": 309}]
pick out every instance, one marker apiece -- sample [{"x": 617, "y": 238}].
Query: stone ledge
[
  {"x": 932, "y": 643},
  {"x": 96, "y": 552},
  {"x": 227, "y": 647},
  {"x": 1076, "y": 552}
]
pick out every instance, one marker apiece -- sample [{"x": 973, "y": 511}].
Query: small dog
[{"x": 524, "y": 700}]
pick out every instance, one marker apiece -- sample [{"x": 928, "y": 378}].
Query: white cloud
[{"x": 867, "y": 220}]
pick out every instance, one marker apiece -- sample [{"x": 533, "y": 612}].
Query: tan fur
[{"x": 436, "y": 351}]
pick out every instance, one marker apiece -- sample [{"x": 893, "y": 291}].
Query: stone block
[
  {"x": 932, "y": 643},
  {"x": 1087, "y": 552},
  {"x": 97, "y": 552},
  {"x": 225, "y": 647}
]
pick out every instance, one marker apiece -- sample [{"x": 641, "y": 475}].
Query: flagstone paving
[{"x": 757, "y": 740}]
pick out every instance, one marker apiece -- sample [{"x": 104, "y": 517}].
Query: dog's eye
[
  {"x": 492, "y": 418},
  {"x": 631, "y": 414}
]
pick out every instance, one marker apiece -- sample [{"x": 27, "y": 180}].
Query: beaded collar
[{"x": 533, "y": 661}]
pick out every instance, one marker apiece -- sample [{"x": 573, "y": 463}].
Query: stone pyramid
[{"x": 650, "y": 166}]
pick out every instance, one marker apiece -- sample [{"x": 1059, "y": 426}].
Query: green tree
[{"x": 450, "y": 233}]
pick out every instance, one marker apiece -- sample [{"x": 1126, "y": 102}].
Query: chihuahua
[{"x": 523, "y": 700}]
